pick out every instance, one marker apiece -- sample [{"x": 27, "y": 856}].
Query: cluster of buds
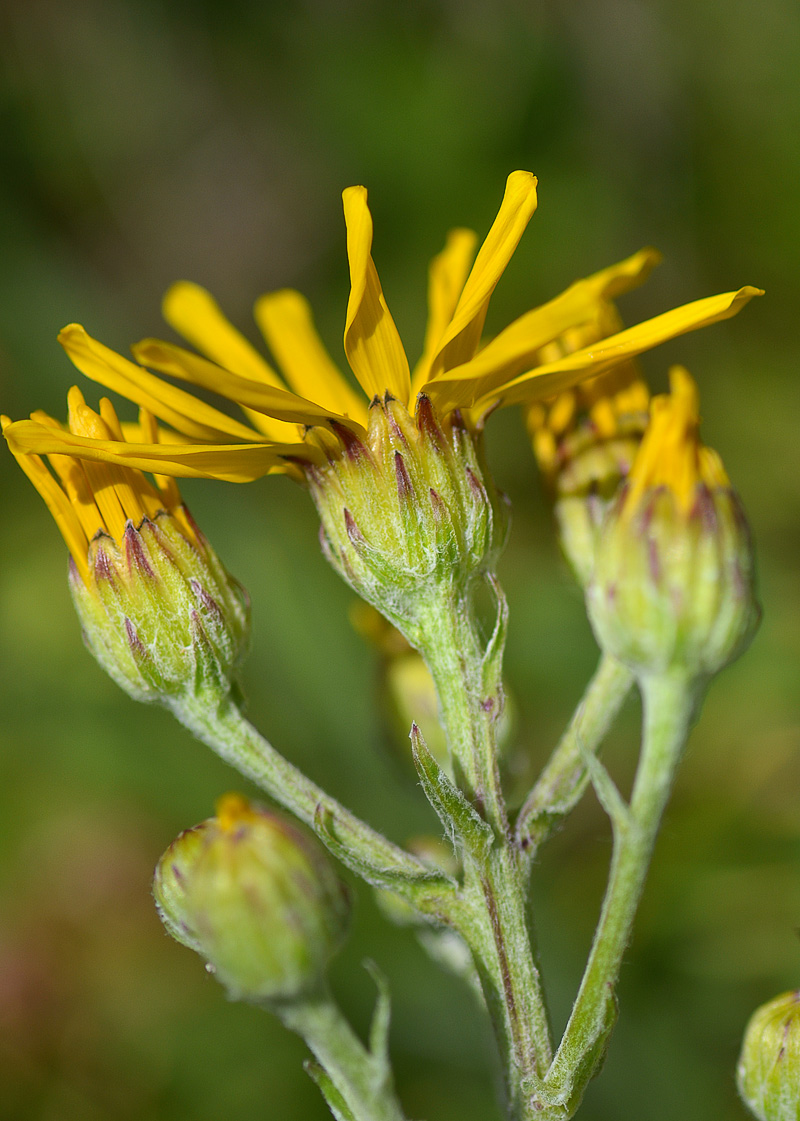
[
  {"x": 768, "y": 1074},
  {"x": 409, "y": 510},
  {"x": 257, "y": 897},
  {"x": 673, "y": 582},
  {"x": 158, "y": 609}
]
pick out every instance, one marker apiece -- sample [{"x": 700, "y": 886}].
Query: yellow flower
[
  {"x": 586, "y": 437},
  {"x": 673, "y": 583},
  {"x": 306, "y": 422},
  {"x": 158, "y": 610}
]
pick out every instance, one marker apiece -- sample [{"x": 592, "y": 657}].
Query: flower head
[
  {"x": 673, "y": 584},
  {"x": 158, "y": 610}
]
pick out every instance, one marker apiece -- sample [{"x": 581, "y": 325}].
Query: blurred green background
[{"x": 146, "y": 140}]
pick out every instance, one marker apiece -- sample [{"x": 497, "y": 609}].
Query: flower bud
[
  {"x": 673, "y": 586},
  {"x": 410, "y": 510},
  {"x": 768, "y": 1073},
  {"x": 257, "y": 897},
  {"x": 159, "y": 612}
]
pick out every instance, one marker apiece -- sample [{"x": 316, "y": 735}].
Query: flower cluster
[
  {"x": 397, "y": 473},
  {"x": 411, "y": 519}
]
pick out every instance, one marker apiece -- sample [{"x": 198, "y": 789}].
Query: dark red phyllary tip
[
  {"x": 405, "y": 488},
  {"x": 134, "y": 550},
  {"x": 428, "y": 422},
  {"x": 207, "y": 601},
  {"x": 476, "y": 486},
  {"x": 103, "y": 566},
  {"x": 353, "y": 532},
  {"x": 438, "y": 505},
  {"x": 354, "y": 448},
  {"x": 137, "y": 646}
]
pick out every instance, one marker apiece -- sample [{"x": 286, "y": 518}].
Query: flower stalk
[
  {"x": 494, "y": 920},
  {"x": 355, "y": 1081},
  {"x": 225, "y": 729},
  {"x": 669, "y": 705}
]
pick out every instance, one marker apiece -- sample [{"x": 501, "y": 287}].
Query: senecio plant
[{"x": 412, "y": 521}]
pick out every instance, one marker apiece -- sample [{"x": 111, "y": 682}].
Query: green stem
[
  {"x": 668, "y": 707},
  {"x": 362, "y": 1087},
  {"x": 494, "y": 920},
  {"x": 564, "y": 779},
  {"x": 224, "y": 728}
]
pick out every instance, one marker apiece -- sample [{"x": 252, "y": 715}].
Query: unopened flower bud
[
  {"x": 768, "y": 1073},
  {"x": 409, "y": 510},
  {"x": 257, "y": 897},
  {"x": 673, "y": 586}
]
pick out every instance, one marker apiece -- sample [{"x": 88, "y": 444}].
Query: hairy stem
[
  {"x": 494, "y": 921},
  {"x": 668, "y": 708},
  {"x": 356, "y": 1083},
  {"x": 223, "y": 727}
]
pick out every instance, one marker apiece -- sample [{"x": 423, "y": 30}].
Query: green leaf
[
  {"x": 336, "y": 1103},
  {"x": 381, "y": 1017},
  {"x": 418, "y": 887},
  {"x": 461, "y": 820}
]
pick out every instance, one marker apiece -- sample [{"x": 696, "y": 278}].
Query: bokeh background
[{"x": 146, "y": 140}]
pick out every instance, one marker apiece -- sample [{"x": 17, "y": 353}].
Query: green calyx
[
  {"x": 674, "y": 590},
  {"x": 409, "y": 510},
  {"x": 768, "y": 1073},
  {"x": 160, "y": 613},
  {"x": 257, "y": 897}
]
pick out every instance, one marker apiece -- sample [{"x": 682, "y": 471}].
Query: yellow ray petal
[
  {"x": 287, "y": 325},
  {"x": 517, "y": 347},
  {"x": 73, "y": 480},
  {"x": 147, "y": 432},
  {"x": 555, "y": 376},
  {"x": 460, "y": 340},
  {"x": 237, "y": 463},
  {"x": 133, "y": 431},
  {"x": 184, "y": 412},
  {"x": 371, "y": 341},
  {"x": 195, "y": 314},
  {"x": 114, "y": 489},
  {"x": 266, "y": 399},
  {"x": 446, "y": 277},
  {"x": 56, "y": 500}
]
